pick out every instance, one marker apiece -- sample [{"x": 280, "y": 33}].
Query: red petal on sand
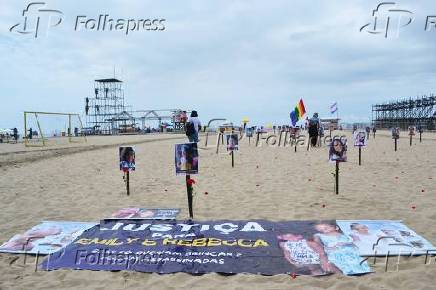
[
  {"x": 413, "y": 207},
  {"x": 422, "y": 190},
  {"x": 293, "y": 275},
  {"x": 206, "y": 192},
  {"x": 323, "y": 205}
]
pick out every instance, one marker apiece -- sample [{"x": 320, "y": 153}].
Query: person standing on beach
[
  {"x": 193, "y": 127},
  {"x": 368, "y": 130},
  {"x": 183, "y": 117},
  {"x": 321, "y": 134},
  {"x": 313, "y": 129},
  {"x": 15, "y": 130}
]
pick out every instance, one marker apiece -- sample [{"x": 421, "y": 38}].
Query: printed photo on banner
[
  {"x": 392, "y": 236},
  {"x": 412, "y": 130},
  {"x": 395, "y": 133},
  {"x": 338, "y": 150},
  {"x": 45, "y": 238},
  {"x": 186, "y": 158},
  {"x": 127, "y": 158},
  {"x": 360, "y": 139},
  {"x": 322, "y": 249},
  {"x": 232, "y": 142},
  {"x": 145, "y": 213}
]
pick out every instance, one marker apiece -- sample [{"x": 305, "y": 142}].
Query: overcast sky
[{"x": 230, "y": 59}]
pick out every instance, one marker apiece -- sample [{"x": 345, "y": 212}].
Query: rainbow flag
[{"x": 298, "y": 112}]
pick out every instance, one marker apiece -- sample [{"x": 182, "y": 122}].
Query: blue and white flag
[{"x": 334, "y": 108}]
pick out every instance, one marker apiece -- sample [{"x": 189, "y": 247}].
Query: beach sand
[{"x": 83, "y": 183}]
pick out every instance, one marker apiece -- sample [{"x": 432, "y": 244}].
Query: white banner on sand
[
  {"x": 45, "y": 238},
  {"x": 380, "y": 237}
]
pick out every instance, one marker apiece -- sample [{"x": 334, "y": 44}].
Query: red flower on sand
[{"x": 190, "y": 181}]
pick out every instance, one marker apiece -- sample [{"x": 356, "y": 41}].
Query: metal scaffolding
[
  {"x": 104, "y": 110},
  {"x": 403, "y": 113},
  {"x": 107, "y": 113}
]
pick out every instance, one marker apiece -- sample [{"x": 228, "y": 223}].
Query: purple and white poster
[{"x": 225, "y": 246}]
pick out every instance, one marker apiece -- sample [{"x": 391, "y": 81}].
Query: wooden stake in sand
[
  {"x": 186, "y": 163},
  {"x": 337, "y": 177},
  {"x": 232, "y": 145},
  {"x": 395, "y": 136},
  {"x": 360, "y": 155},
  {"x": 308, "y": 142},
  {"x": 207, "y": 137},
  {"x": 128, "y": 182},
  {"x": 295, "y": 147},
  {"x": 249, "y": 134},
  {"x": 286, "y": 138},
  {"x": 127, "y": 164},
  {"x": 189, "y": 192},
  {"x": 412, "y": 131},
  {"x": 218, "y": 142},
  {"x": 337, "y": 153}
]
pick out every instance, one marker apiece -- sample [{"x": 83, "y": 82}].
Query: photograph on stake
[{"x": 186, "y": 158}]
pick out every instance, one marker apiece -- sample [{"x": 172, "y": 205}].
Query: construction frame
[
  {"x": 106, "y": 112},
  {"x": 420, "y": 112}
]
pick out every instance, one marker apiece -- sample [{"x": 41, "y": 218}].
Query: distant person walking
[
  {"x": 183, "y": 117},
  {"x": 15, "y": 130},
  {"x": 321, "y": 134},
  {"x": 314, "y": 129},
  {"x": 193, "y": 127}
]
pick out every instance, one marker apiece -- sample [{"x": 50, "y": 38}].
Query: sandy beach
[{"x": 83, "y": 183}]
